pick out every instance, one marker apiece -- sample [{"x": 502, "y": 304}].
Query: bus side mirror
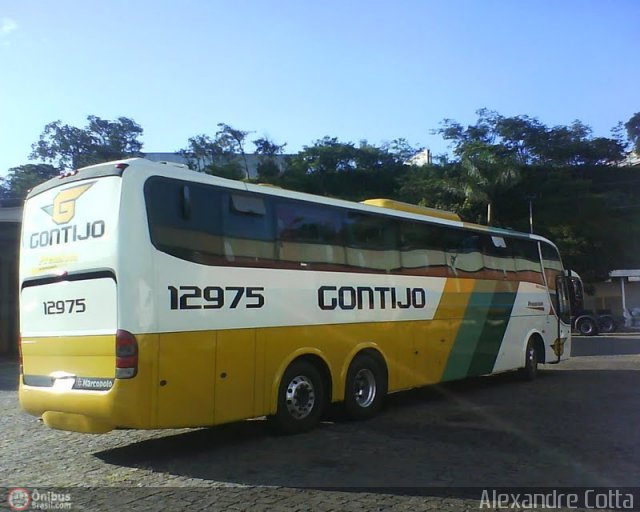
[
  {"x": 563, "y": 298},
  {"x": 576, "y": 294}
]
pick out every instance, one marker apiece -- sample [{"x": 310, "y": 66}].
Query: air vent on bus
[{"x": 412, "y": 208}]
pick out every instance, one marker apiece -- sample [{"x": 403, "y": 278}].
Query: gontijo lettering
[
  {"x": 367, "y": 297},
  {"x": 67, "y": 234}
]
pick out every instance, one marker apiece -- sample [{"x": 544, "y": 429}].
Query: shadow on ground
[{"x": 569, "y": 428}]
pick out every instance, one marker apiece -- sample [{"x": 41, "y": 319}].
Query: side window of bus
[
  {"x": 552, "y": 264},
  {"x": 498, "y": 257},
  {"x": 309, "y": 234},
  {"x": 422, "y": 249},
  {"x": 248, "y": 228},
  {"x": 372, "y": 242},
  {"x": 527, "y": 260},
  {"x": 184, "y": 218},
  {"x": 464, "y": 253}
]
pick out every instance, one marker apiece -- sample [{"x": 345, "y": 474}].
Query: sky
[{"x": 296, "y": 71}]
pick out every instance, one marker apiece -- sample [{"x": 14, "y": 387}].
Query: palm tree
[{"x": 486, "y": 172}]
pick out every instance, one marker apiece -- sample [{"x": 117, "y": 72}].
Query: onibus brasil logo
[{"x": 20, "y": 499}]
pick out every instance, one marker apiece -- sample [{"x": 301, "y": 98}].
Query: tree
[
  {"x": 267, "y": 151},
  {"x": 326, "y": 156},
  {"x": 401, "y": 150},
  {"x": 100, "y": 141},
  {"x": 201, "y": 152},
  {"x": 66, "y": 146},
  {"x": 232, "y": 142},
  {"x": 114, "y": 140},
  {"x": 23, "y": 178},
  {"x": 633, "y": 131},
  {"x": 489, "y": 156},
  {"x": 315, "y": 168},
  {"x": 223, "y": 155},
  {"x": 529, "y": 142},
  {"x": 436, "y": 186},
  {"x": 574, "y": 146},
  {"x": 493, "y": 152},
  {"x": 487, "y": 172},
  {"x": 342, "y": 169}
]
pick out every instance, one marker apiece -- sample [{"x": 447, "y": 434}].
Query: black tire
[
  {"x": 587, "y": 327},
  {"x": 531, "y": 359},
  {"x": 365, "y": 388},
  {"x": 606, "y": 324},
  {"x": 301, "y": 399}
]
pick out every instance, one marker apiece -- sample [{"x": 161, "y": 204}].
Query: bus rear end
[{"x": 73, "y": 357}]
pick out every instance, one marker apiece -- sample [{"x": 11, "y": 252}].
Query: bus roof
[{"x": 178, "y": 171}]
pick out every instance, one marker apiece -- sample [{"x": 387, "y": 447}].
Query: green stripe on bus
[
  {"x": 468, "y": 336},
  {"x": 493, "y": 331}
]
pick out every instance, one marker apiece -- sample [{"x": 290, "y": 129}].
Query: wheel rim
[
  {"x": 300, "y": 397},
  {"x": 365, "y": 387},
  {"x": 587, "y": 328}
]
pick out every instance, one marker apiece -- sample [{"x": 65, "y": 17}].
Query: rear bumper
[
  {"x": 49, "y": 362},
  {"x": 90, "y": 411}
]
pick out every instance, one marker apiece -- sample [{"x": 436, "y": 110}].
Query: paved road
[
  {"x": 575, "y": 426},
  {"x": 605, "y": 345}
]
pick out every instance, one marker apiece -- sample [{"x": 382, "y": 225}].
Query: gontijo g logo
[
  {"x": 62, "y": 211},
  {"x": 63, "y": 208}
]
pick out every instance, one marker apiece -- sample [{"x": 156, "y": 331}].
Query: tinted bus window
[
  {"x": 422, "y": 249},
  {"x": 552, "y": 264},
  {"x": 184, "y": 218},
  {"x": 248, "y": 228},
  {"x": 498, "y": 257},
  {"x": 464, "y": 253},
  {"x": 372, "y": 242},
  {"x": 300, "y": 222},
  {"x": 527, "y": 260},
  {"x": 309, "y": 233}
]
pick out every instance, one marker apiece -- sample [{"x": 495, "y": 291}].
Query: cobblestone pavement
[{"x": 575, "y": 426}]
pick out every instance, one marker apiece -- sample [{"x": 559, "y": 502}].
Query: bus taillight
[{"x": 126, "y": 355}]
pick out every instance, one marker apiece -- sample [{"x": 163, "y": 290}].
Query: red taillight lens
[{"x": 126, "y": 355}]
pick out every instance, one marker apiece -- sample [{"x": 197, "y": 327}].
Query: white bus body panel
[{"x": 70, "y": 231}]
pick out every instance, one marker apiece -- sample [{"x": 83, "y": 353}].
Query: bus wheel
[
  {"x": 587, "y": 327},
  {"x": 301, "y": 398},
  {"x": 606, "y": 324},
  {"x": 530, "y": 370},
  {"x": 365, "y": 388}
]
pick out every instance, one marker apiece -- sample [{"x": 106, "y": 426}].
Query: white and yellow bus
[{"x": 156, "y": 297}]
